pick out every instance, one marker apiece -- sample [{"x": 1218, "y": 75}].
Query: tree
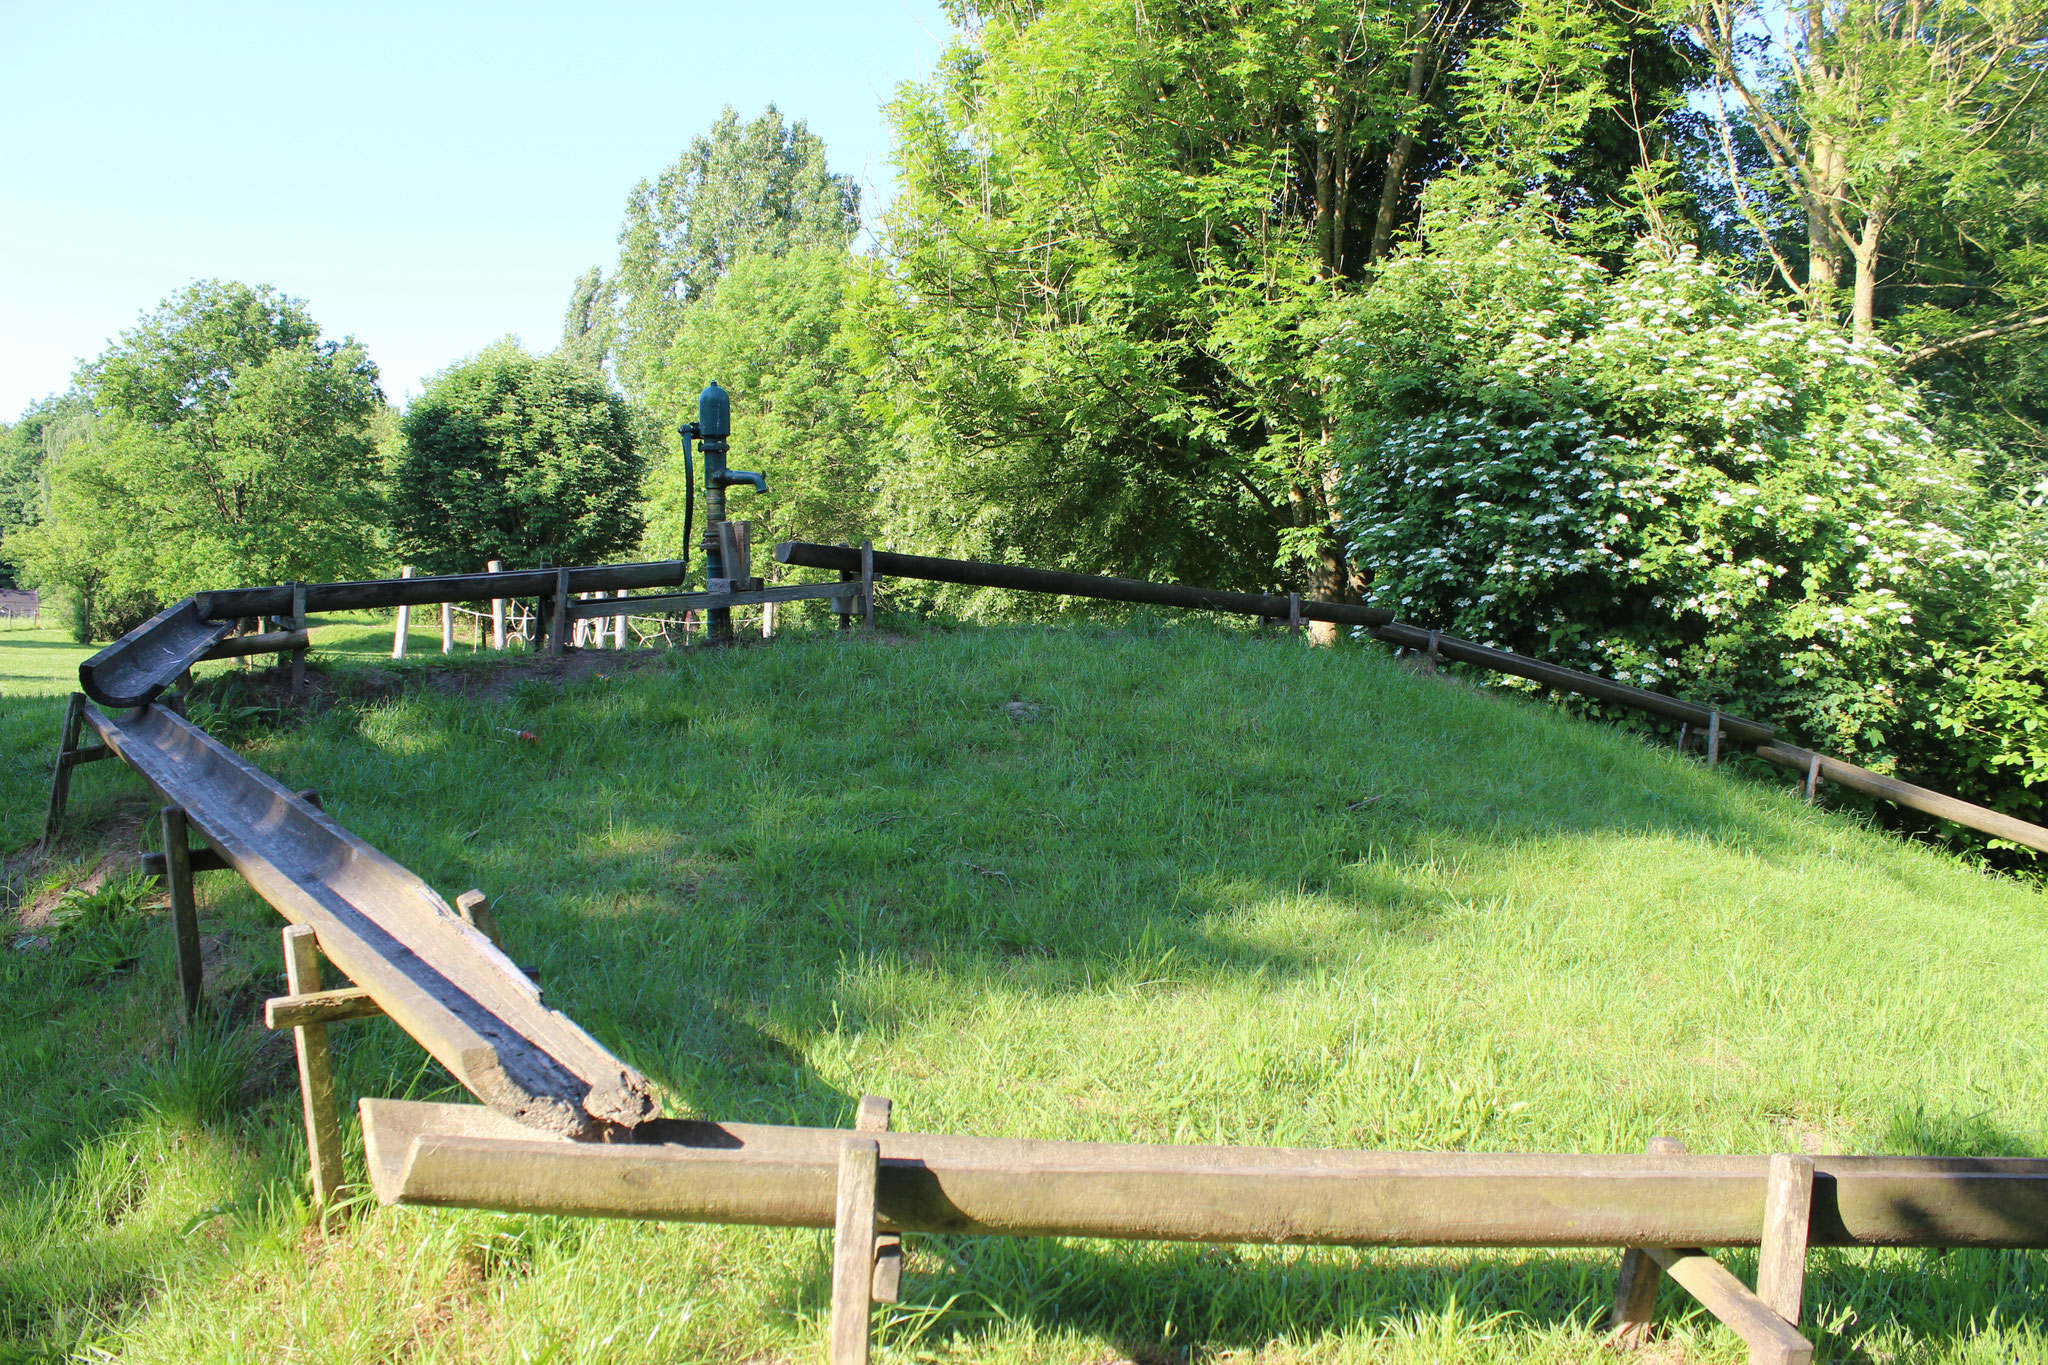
[
  {"x": 27, "y": 447},
  {"x": 771, "y": 333},
  {"x": 760, "y": 188},
  {"x": 1867, "y": 111},
  {"x": 589, "y": 324},
  {"x": 230, "y": 446},
  {"x": 1123, "y": 233},
  {"x": 516, "y": 457}
]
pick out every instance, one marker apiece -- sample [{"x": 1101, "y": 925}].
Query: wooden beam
[
  {"x": 853, "y": 1251},
  {"x": 687, "y": 1171},
  {"x": 658, "y": 604},
  {"x": 1771, "y": 1340},
  {"x": 60, "y": 775},
  {"x": 1788, "y": 1210},
  {"x": 177, "y": 856},
  {"x": 1635, "y": 1286},
  {"x": 439, "y": 979},
  {"x": 316, "y": 1069},
  {"x": 1943, "y": 807},
  {"x": 873, "y": 1117},
  {"x": 320, "y": 1007}
]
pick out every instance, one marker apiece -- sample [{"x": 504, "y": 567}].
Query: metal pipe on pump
[{"x": 712, "y": 427}]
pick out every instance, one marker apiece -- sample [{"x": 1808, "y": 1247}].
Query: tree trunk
[
  {"x": 1863, "y": 316},
  {"x": 1823, "y": 248},
  {"x": 1398, "y": 157}
]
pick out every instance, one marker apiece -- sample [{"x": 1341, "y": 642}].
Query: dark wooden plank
[
  {"x": 1995, "y": 823},
  {"x": 664, "y": 604},
  {"x": 439, "y": 979},
  {"x": 135, "y": 669}
]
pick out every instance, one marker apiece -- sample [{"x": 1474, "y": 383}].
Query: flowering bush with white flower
[{"x": 1663, "y": 476}]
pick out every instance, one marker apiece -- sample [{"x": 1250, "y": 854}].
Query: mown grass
[{"x": 1154, "y": 883}]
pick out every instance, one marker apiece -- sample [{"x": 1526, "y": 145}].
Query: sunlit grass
[{"x": 1199, "y": 886}]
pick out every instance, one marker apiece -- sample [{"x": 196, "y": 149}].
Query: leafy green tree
[
  {"x": 589, "y": 324},
  {"x": 771, "y": 333},
  {"x": 26, "y": 448},
  {"x": 1868, "y": 113},
  {"x": 517, "y": 457},
  {"x": 230, "y": 446},
  {"x": 759, "y": 188},
  {"x": 1123, "y": 233}
]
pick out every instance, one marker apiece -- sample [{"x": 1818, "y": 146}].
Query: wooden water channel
[{"x": 566, "y": 1127}]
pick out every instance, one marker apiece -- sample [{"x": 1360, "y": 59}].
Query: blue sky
[{"x": 428, "y": 177}]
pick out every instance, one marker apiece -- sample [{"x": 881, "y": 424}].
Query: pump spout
[{"x": 729, "y": 477}]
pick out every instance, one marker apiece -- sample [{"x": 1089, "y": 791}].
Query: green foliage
[
  {"x": 1122, "y": 232},
  {"x": 771, "y": 333},
  {"x": 516, "y": 457},
  {"x": 26, "y": 449},
  {"x": 1662, "y": 476},
  {"x": 588, "y": 324},
  {"x": 759, "y": 188},
  {"x": 231, "y": 446}
]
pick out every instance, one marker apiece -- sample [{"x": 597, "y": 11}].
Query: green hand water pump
[{"x": 713, "y": 427}]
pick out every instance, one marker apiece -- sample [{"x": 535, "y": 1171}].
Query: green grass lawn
[{"x": 1176, "y": 884}]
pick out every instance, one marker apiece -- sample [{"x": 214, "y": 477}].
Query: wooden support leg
[
  {"x": 867, "y": 583},
  {"x": 1788, "y": 1209},
  {"x": 184, "y": 912},
  {"x": 60, "y": 778},
  {"x": 1771, "y": 1339},
  {"x": 1294, "y": 616},
  {"x": 1635, "y": 1288},
  {"x": 316, "y": 1069},
  {"x": 298, "y": 655},
  {"x": 404, "y": 626},
  {"x": 1812, "y": 777},
  {"x": 1433, "y": 656},
  {"x": 558, "y": 628},
  {"x": 845, "y": 576},
  {"x": 888, "y": 1281},
  {"x": 1713, "y": 738},
  {"x": 853, "y": 1250}
]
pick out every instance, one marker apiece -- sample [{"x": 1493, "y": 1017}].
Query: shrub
[{"x": 1660, "y": 475}]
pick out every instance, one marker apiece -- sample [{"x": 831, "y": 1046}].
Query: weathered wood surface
[
  {"x": 664, "y": 604},
  {"x": 230, "y": 603},
  {"x": 853, "y": 1251},
  {"x": 320, "y": 1007},
  {"x": 1771, "y": 1339},
  {"x": 136, "y": 668},
  {"x": 1985, "y": 821},
  {"x": 271, "y": 642},
  {"x": 687, "y": 1171},
  {"x": 1781, "y": 1267},
  {"x": 441, "y": 980},
  {"x": 177, "y": 876},
  {"x": 316, "y": 1068}
]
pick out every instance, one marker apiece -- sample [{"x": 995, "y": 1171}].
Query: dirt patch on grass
[{"x": 36, "y": 879}]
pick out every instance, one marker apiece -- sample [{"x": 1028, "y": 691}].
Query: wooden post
[
  {"x": 1432, "y": 655},
  {"x": 845, "y": 617},
  {"x": 1713, "y": 738},
  {"x": 867, "y": 583},
  {"x": 1294, "y": 616},
  {"x": 60, "y": 779},
  {"x": 1788, "y": 1210},
  {"x": 1635, "y": 1288},
  {"x": 619, "y": 624},
  {"x": 853, "y": 1250},
  {"x": 299, "y": 654},
  {"x": 404, "y": 620},
  {"x": 1812, "y": 777},
  {"x": 558, "y": 627},
  {"x": 767, "y": 620},
  {"x": 873, "y": 1117},
  {"x": 184, "y": 912},
  {"x": 447, "y": 627},
  {"x": 582, "y": 629},
  {"x": 497, "y": 609},
  {"x": 316, "y": 1068},
  {"x": 475, "y": 908}
]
